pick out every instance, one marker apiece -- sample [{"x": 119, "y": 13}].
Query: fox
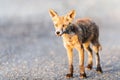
[{"x": 81, "y": 34}]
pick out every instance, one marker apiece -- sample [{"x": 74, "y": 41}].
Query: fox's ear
[
  {"x": 52, "y": 13},
  {"x": 71, "y": 14}
]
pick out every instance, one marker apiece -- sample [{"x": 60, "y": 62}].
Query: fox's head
[{"x": 61, "y": 22}]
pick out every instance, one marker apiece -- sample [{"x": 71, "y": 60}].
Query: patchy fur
[{"x": 78, "y": 35}]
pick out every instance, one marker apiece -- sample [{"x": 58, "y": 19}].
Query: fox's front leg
[
  {"x": 70, "y": 60},
  {"x": 81, "y": 61}
]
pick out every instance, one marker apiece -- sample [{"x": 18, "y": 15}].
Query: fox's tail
[{"x": 100, "y": 47}]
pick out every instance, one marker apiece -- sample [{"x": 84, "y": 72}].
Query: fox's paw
[
  {"x": 89, "y": 67},
  {"x": 69, "y": 75},
  {"x": 83, "y": 75},
  {"x": 99, "y": 70}
]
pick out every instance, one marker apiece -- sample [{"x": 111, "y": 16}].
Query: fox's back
[
  {"x": 89, "y": 29},
  {"x": 85, "y": 28}
]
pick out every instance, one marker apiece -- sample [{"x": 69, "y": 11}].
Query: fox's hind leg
[
  {"x": 96, "y": 48},
  {"x": 90, "y": 55}
]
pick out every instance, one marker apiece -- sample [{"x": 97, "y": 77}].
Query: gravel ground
[
  {"x": 29, "y": 49},
  {"x": 29, "y": 52}
]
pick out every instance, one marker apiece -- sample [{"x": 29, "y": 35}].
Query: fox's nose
[{"x": 58, "y": 32}]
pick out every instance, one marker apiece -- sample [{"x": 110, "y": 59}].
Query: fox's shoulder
[{"x": 84, "y": 20}]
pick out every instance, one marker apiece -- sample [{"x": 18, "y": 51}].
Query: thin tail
[{"x": 100, "y": 47}]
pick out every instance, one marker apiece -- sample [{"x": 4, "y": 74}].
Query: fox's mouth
[
  {"x": 63, "y": 32},
  {"x": 60, "y": 34}
]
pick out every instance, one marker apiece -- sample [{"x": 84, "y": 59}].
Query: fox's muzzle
[
  {"x": 59, "y": 33},
  {"x": 69, "y": 29}
]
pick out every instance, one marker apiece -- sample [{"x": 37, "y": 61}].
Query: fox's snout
[{"x": 59, "y": 33}]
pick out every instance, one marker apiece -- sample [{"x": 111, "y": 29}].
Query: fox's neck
[{"x": 70, "y": 39}]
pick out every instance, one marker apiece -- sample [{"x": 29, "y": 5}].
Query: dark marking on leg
[
  {"x": 70, "y": 74},
  {"x": 89, "y": 66},
  {"x": 90, "y": 58},
  {"x": 99, "y": 69},
  {"x": 82, "y": 74}
]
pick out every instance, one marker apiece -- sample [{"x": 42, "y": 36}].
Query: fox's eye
[
  {"x": 56, "y": 25},
  {"x": 67, "y": 19},
  {"x": 63, "y": 25}
]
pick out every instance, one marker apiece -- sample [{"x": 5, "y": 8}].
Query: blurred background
[{"x": 29, "y": 49}]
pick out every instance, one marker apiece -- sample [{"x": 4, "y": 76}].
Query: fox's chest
[{"x": 71, "y": 40}]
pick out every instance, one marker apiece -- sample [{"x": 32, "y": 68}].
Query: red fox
[{"x": 78, "y": 35}]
